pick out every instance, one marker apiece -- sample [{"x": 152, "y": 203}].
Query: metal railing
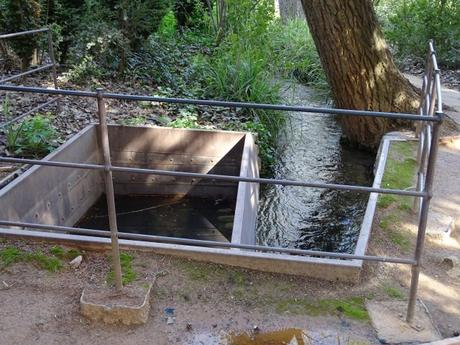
[
  {"x": 431, "y": 124},
  {"x": 52, "y": 66}
]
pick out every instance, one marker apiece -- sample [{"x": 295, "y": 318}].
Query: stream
[{"x": 309, "y": 149}]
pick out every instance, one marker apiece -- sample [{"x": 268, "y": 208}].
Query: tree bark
[{"x": 359, "y": 67}]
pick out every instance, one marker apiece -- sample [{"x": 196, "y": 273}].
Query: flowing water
[{"x": 310, "y": 150}]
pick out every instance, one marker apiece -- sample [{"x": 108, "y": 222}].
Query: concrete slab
[
  {"x": 131, "y": 306},
  {"x": 449, "y": 341},
  {"x": 440, "y": 225},
  {"x": 388, "y": 319}
]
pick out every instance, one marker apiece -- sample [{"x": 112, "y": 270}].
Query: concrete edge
[
  {"x": 115, "y": 305},
  {"x": 326, "y": 269},
  {"x": 448, "y": 341},
  {"x": 379, "y": 170}
]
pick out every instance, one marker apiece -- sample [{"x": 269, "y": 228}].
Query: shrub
[
  {"x": 410, "y": 24},
  {"x": 21, "y": 15},
  {"x": 294, "y": 53}
]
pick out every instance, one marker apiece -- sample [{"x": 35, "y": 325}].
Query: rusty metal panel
[
  {"x": 175, "y": 149},
  {"x": 52, "y": 195}
]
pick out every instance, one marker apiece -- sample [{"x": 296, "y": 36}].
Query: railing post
[
  {"x": 53, "y": 61},
  {"x": 109, "y": 191},
  {"x": 423, "y": 219}
]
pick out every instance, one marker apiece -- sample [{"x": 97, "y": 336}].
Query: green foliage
[
  {"x": 12, "y": 255},
  {"x": 187, "y": 119},
  {"x": 168, "y": 25},
  {"x": 21, "y": 15},
  {"x": 391, "y": 225},
  {"x": 353, "y": 307},
  {"x": 128, "y": 274},
  {"x": 400, "y": 173},
  {"x": 64, "y": 254},
  {"x": 6, "y": 107},
  {"x": 133, "y": 121},
  {"x": 33, "y": 137},
  {"x": 394, "y": 292},
  {"x": 49, "y": 263},
  {"x": 409, "y": 24},
  {"x": 294, "y": 53}
]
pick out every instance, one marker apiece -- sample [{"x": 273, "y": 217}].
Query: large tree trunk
[{"x": 359, "y": 66}]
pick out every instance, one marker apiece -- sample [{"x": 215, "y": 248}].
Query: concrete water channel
[{"x": 185, "y": 207}]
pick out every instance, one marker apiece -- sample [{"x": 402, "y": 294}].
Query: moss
[
  {"x": 400, "y": 239},
  {"x": 350, "y": 307},
  {"x": 203, "y": 272},
  {"x": 128, "y": 273},
  {"x": 400, "y": 173},
  {"x": 390, "y": 224},
  {"x": 394, "y": 292}
]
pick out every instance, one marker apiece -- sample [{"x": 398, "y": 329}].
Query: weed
[
  {"x": 64, "y": 254},
  {"x": 128, "y": 274},
  {"x": 391, "y": 224},
  {"x": 185, "y": 120},
  {"x": 32, "y": 137},
  {"x": 133, "y": 121},
  {"x": 44, "y": 261},
  {"x": 12, "y": 255},
  {"x": 394, "y": 292},
  {"x": 6, "y": 107}
]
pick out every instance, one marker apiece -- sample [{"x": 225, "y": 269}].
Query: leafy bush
[
  {"x": 410, "y": 24},
  {"x": 294, "y": 53},
  {"x": 21, "y": 15},
  {"x": 32, "y": 137}
]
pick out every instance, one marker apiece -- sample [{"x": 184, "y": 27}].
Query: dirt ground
[{"x": 209, "y": 301}]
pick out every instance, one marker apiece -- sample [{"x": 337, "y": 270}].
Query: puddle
[
  {"x": 288, "y": 336},
  {"x": 172, "y": 216}
]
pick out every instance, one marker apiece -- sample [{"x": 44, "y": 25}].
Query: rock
[
  {"x": 75, "y": 263},
  {"x": 131, "y": 306},
  {"x": 451, "y": 262},
  {"x": 170, "y": 320}
]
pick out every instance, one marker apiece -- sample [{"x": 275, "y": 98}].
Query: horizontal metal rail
[
  {"x": 205, "y": 243},
  {"x": 227, "y": 104},
  {"x": 230, "y": 178},
  {"x": 22, "y": 33},
  {"x": 31, "y": 111},
  {"x": 23, "y": 74}
]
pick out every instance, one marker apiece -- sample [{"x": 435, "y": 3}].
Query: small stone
[
  {"x": 451, "y": 262},
  {"x": 170, "y": 320},
  {"x": 189, "y": 327},
  {"x": 256, "y": 329},
  {"x": 214, "y": 325},
  {"x": 75, "y": 263}
]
